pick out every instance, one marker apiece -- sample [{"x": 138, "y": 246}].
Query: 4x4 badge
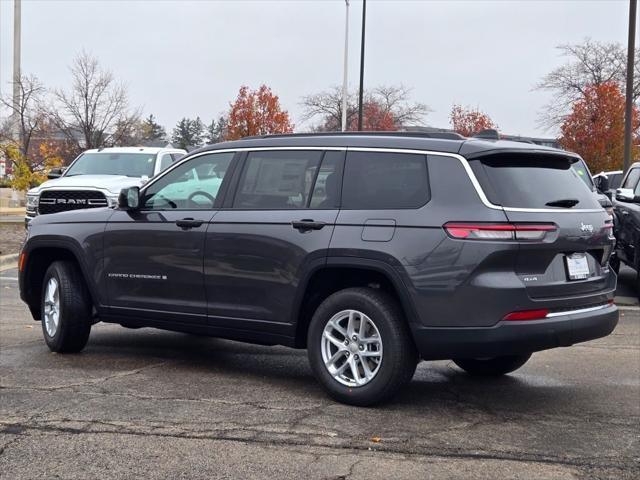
[{"x": 586, "y": 227}]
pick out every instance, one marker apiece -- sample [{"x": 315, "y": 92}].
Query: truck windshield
[{"x": 109, "y": 163}]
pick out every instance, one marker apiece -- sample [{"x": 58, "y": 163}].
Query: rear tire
[
  {"x": 66, "y": 308},
  {"x": 369, "y": 335},
  {"x": 492, "y": 367}
]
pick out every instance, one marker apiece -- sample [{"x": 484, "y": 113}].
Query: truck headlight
[
  {"x": 112, "y": 200},
  {"x": 32, "y": 201}
]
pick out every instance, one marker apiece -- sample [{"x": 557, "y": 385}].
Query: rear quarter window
[{"x": 532, "y": 181}]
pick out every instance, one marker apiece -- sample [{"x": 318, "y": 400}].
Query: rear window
[
  {"x": 533, "y": 181},
  {"x": 376, "y": 180}
]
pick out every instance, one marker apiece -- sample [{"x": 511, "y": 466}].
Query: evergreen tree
[
  {"x": 188, "y": 133},
  {"x": 215, "y": 131},
  {"x": 151, "y": 130},
  {"x": 181, "y": 136}
]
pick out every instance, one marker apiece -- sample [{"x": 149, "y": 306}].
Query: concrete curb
[
  {"x": 12, "y": 219},
  {"x": 10, "y": 261}
]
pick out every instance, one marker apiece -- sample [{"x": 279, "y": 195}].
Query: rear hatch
[{"x": 540, "y": 188}]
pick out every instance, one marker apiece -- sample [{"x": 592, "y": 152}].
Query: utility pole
[
  {"x": 361, "y": 92},
  {"x": 16, "y": 64},
  {"x": 628, "y": 108},
  {"x": 345, "y": 85}
]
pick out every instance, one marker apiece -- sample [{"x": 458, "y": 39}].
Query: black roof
[{"x": 467, "y": 147}]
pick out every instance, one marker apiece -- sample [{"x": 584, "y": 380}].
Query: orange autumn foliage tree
[
  {"x": 374, "y": 119},
  {"x": 468, "y": 122},
  {"x": 257, "y": 112},
  {"x": 595, "y": 127}
]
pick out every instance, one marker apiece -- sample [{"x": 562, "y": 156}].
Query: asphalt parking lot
[{"x": 152, "y": 404}]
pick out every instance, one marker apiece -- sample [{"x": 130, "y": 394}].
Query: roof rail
[{"x": 441, "y": 135}]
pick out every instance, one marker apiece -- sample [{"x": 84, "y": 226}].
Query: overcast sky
[{"x": 188, "y": 58}]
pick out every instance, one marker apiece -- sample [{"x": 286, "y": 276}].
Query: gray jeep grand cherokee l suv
[{"x": 371, "y": 251}]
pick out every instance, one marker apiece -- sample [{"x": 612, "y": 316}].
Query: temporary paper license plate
[{"x": 577, "y": 266}]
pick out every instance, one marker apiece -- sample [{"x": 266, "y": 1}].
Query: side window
[
  {"x": 614, "y": 180},
  {"x": 165, "y": 161},
  {"x": 277, "y": 180},
  {"x": 193, "y": 185},
  {"x": 632, "y": 178},
  {"x": 379, "y": 180},
  {"x": 177, "y": 156},
  {"x": 326, "y": 192}
]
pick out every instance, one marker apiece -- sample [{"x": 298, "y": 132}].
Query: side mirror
[
  {"x": 625, "y": 195},
  {"x": 55, "y": 173},
  {"x": 602, "y": 183},
  {"x": 129, "y": 198}
]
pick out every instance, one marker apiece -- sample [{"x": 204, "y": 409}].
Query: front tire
[
  {"x": 359, "y": 346},
  {"x": 492, "y": 367},
  {"x": 66, "y": 308}
]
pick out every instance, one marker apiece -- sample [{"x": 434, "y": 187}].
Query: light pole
[
  {"x": 628, "y": 108},
  {"x": 16, "y": 65},
  {"x": 360, "y": 93},
  {"x": 345, "y": 85}
]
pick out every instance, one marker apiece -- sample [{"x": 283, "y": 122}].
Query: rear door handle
[
  {"x": 187, "y": 223},
  {"x": 307, "y": 224},
  {"x": 624, "y": 212}
]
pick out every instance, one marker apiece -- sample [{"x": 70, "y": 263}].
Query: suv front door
[
  {"x": 153, "y": 256},
  {"x": 261, "y": 245}
]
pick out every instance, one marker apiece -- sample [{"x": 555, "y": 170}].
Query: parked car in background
[
  {"x": 608, "y": 182},
  {"x": 372, "y": 251},
  {"x": 580, "y": 167},
  {"x": 627, "y": 220},
  {"x": 96, "y": 177}
]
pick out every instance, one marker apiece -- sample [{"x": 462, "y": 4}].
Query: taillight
[
  {"x": 527, "y": 315},
  {"x": 499, "y": 231},
  {"x": 23, "y": 257}
]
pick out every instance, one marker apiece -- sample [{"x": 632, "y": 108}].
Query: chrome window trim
[{"x": 465, "y": 164}]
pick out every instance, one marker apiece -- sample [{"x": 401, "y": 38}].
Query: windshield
[{"x": 109, "y": 163}]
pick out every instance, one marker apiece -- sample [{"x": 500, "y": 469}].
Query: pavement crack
[
  {"x": 99, "y": 380},
  {"x": 270, "y": 438}
]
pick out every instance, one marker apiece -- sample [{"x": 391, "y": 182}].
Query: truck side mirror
[
  {"x": 625, "y": 195},
  {"x": 55, "y": 173},
  {"x": 129, "y": 198}
]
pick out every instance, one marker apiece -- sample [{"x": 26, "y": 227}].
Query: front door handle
[
  {"x": 306, "y": 224},
  {"x": 187, "y": 223}
]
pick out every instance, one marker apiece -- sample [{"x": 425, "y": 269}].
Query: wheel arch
[
  {"x": 338, "y": 273},
  {"x": 38, "y": 258}
]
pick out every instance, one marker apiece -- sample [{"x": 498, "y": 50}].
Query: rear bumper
[{"x": 511, "y": 338}]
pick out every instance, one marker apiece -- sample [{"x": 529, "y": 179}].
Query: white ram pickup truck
[{"x": 95, "y": 178}]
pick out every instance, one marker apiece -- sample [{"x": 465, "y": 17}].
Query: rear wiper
[{"x": 564, "y": 202}]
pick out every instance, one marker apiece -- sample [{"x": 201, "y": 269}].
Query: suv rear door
[
  {"x": 275, "y": 226},
  {"x": 544, "y": 189}
]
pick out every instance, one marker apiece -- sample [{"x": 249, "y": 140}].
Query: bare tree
[
  {"x": 95, "y": 111},
  {"x": 393, "y": 100},
  {"x": 27, "y": 115},
  {"x": 328, "y": 106},
  {"x": 590, "y": 63}
]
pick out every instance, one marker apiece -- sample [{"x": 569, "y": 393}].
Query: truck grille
[{"x": 54, "y": 201}]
